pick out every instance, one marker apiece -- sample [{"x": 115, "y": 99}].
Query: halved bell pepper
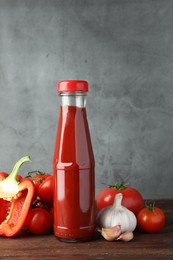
[{"x": 15, "y": 201}]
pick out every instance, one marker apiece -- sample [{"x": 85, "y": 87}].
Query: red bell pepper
[{"x": 15, "y": 200}]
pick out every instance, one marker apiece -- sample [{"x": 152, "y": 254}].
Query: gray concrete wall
[{"x": 124, "y": 48}]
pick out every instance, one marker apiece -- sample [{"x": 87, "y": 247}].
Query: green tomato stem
[
  {"x": 150, "y": 206},
  {"x": 118, "y": 186}
]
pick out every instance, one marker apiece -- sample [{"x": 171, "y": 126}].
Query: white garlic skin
[{"x": 117, "y": 214}]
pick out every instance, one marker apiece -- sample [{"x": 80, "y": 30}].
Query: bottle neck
[{"x": 77, "y": 99}]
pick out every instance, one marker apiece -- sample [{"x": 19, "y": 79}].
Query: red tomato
[
  {"x": 151, "y": 220},
  {"x": 19, "y": 178},
  {"x": 40, "y": 176},
  {"x": 52, "y": 214},
  {"x": 39, "y": 221},
  {"x": 132, "y": 199},
  {"x": 45, "y": 190},
  {"x": 37, "y": 179},
  {"x": 3, "y": 175}
]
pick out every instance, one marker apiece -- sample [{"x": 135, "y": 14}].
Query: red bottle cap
[{"x": 72, "y": 86}]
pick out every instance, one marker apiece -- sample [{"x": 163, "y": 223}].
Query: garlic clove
[
  {"x": 111, "y": 234},
  {"x": 126, "y": 236}
]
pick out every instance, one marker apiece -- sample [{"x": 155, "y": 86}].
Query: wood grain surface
[{"x": 48, "y": 247}]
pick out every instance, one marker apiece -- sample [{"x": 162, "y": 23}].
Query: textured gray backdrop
[{"x": 124, "y": 48}]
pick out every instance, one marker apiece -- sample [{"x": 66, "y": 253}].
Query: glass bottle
[{"x": 73, "y": 165}]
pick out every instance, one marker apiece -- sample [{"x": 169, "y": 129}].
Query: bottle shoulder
[{"x": 70, "y": 166}]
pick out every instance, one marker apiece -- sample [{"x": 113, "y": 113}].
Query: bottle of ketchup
[{"x": 73, "y": 165}]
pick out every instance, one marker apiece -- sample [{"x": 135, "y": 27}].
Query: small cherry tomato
[
  {"x": 3, "y": 175},
  {"x": 37, "y": 179},
  {"x": 45, "y": 190},
  {"x": 39, "y": 221},
  {"x": 151, "y": 219},
  {"x": 19, "y": 177},
  {"x": 132, "y": 198}
]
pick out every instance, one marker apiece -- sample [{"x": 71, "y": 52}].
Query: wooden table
[{"x": 151, "y": 246}]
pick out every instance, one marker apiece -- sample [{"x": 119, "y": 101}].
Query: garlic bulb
[{"x": 117, "y": 214}]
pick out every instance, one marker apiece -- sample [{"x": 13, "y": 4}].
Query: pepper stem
[{"x": 14, "y": 172}]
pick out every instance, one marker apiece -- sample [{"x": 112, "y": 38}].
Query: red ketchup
[{"x": 73, "y": 165}]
